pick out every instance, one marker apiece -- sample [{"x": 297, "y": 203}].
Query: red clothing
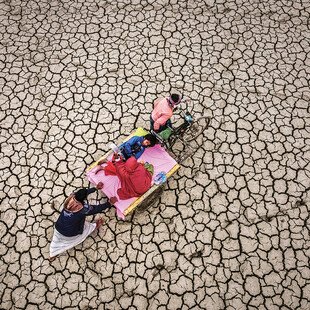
[{"x": 135, "y": 179}]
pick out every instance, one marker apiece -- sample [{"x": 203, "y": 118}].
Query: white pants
[{"x": 62, "y": 243}]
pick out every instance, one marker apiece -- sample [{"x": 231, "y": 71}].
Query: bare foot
[
  {"x": 102, "y": 161},
  {"x": 51, "y": 259},
  {"x": 99, "y": 223}
]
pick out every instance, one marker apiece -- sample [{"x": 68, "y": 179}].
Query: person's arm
[
  {"x": 129, "y": 145},
  {"x": 138, "y": 154},
  {"x": 91, "y": 190},
  {"x": 94, "y": 209},
  {"x": 161, "y": 120}
]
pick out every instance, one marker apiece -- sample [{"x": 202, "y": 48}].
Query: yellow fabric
[{"x": 141, "y": 132}]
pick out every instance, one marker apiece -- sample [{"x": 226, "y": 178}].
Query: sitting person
[
  {"x": 71, "y": 228},
  {"x": 135, "y": 177},
  {"x": 163, "y": 111},
  {"x": 135, "y": 146}
]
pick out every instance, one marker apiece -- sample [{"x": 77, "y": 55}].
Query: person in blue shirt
[
  {"x": 135, "y": 146},
  {"x": 71, "y": 227}
]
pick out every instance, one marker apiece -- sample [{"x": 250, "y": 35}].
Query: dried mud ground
[{"x": 231, "y": 230}]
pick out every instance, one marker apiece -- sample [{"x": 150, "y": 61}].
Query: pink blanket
[{"x": 157, "y": 156}]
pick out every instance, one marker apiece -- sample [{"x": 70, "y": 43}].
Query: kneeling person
[{"x": 71, "y": 228}]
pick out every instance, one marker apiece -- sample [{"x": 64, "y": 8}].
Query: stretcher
[{"x": 156, "y": 155}]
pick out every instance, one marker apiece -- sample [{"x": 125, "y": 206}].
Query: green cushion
[
  {"x": 141, "y": 132},
  {"x": 165, "y": 134},
  {"x": 149, "y": 167}
]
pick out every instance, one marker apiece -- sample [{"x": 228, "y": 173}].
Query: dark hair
[
  {"x": 81, "y": 194},
  {"x": 151, "y": 138},
  {"x": 175, "y": 98}
]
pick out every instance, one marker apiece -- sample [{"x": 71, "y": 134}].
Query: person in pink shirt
[{"x": 163, "y": 111}]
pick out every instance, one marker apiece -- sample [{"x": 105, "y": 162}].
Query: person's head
[
  {"x": 81, "y": 194},
  {"x": 175, "y": 99},
  {"x": 149, "y": 140}
]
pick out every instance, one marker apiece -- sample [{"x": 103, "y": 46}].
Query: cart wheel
[
  {"x": 185, "y": 154},
  {"x": 151, "y": 200},
  {"x": 197, "y": 128}
]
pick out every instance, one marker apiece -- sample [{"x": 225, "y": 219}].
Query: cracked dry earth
[{"x": 231, "y": 230}]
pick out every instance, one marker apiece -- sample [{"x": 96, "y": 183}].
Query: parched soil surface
[{"x": 231, "y": 230}]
